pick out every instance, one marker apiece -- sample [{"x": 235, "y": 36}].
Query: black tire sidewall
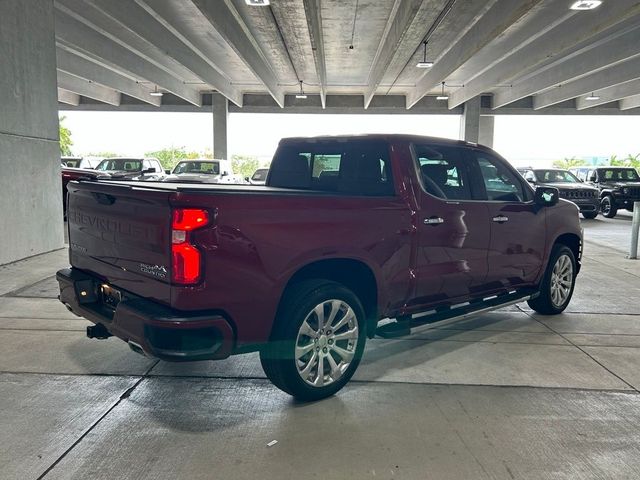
[
  {"x": 279, "y": 354},
  {"x": 543, "y": 304},
  {"x": 612, "y": 208},
  {"x": 590, "y": 215}
]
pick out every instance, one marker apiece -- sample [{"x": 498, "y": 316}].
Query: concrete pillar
[
  {"x": 220, "y": 116},
  {"x": 485, "y": 136},
  {"x": 470, "y": 121},
  {"x": 30, "y": 180}
]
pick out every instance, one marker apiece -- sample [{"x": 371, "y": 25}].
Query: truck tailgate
[{"x": 122, "y": 234}]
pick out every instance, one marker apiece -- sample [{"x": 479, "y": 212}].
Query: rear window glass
[
  {"x": 441, "y": 171},
  {"x": 260, "y": 175},
  {"x": 350, "y": 167},
  {"x": 122, "y": 164},
  {"x": 198, "y": 167}
]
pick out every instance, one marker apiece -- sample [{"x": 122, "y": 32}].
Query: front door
[{"x": 518, "y": 226}]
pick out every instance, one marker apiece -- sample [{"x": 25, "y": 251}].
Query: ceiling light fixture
[
  {"x": 156, "y": 93},
  {"x": 257, "y": 3},
  {"x": 586, "y": 4},
  {"x": 592, "y": 97},
  {"x": 301, "y": 94},
  {"x": 424, "y": 63},
  {"x": 442, "y": 96}
]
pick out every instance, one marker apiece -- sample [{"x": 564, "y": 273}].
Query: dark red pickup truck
[{"x": 349, "y": 231}]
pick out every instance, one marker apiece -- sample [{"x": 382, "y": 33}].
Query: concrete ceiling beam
[
  {"x": 138, "y": 19},
  {"x": 494, "y": 18},
  {"x": 400, "y": 21},
  {"x": 608, "y": 95},
  {"x": 87, "y": 88},
  {"x": 314, "y": 22},
  {"x": 622, "y": 47},
  {"x": 79, "y": 66},
  {"x": 630, "y": 102},
  {"x": 228, "y": 22},
  {"x": 620, "y": 73},
  {"x": 82, "y": 38},
  {"x": 554, "y": 32},
  {"x": 70, "y": 98}
]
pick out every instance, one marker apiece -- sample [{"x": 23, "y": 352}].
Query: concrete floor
[{"x": 508, "y": 395}]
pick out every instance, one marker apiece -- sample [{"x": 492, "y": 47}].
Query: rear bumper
[{"x": 157, "y": 330}]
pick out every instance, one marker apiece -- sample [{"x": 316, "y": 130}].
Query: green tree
[
  {"x": 169, "y": 157},
  {"x": 65, "y": 139},
  {"x": 244, "y": 165},
  {"x": 567, "y": 163}
]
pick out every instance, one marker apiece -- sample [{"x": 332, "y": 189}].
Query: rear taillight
[{"x": 186, "y": 258}]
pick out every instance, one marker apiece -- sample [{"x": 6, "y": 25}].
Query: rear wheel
[
  {"x": 590, "y": 215},
  {"x": 558, "y": 282},
  {"x": 607, "y": 207},
  {"x": 317, "y": 341}
]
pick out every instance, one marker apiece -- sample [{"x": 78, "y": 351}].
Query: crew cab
[
  {"x": 131, "y": 168},
  {"x": 203, "y": 171},
  {"x": 619, "y": 186},
  {"x": 586, "y": 197},
  {"x": 352, "y": 237}
]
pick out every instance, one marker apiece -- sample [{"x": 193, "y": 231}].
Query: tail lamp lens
[{"x": 186, "y": 258}]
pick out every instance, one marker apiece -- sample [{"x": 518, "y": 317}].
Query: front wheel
[
  {"x": 317, "y": 340},
  {"x": 590, "y": 215},
  {"x": 608, "y": 208},
  {"x": 558, "y": 282}
]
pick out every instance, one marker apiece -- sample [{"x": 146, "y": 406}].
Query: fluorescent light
[
  {"x": 156, "y": 93},
  {"x": 257, "y": 3},
  {"x": 586, "y": 4},
  {"x": 592, "y": 97},
  {"x": 301, "y": 95},
  {"x": 442, "y": 97},
  {"x": 424, "y": 63}
]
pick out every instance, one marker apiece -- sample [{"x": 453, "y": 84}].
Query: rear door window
[{"x": 443, "y": 171}]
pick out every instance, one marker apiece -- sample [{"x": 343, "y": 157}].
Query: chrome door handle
[
  {"x": 433, "y": 221},
  {"x": 500, "y": 219}
]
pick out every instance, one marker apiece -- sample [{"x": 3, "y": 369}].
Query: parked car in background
[
  {"x": 347, "y": 232},
  {"x": 80, "y": 162},
  {"x": 204, "y": 171},
  {"x": 586, "y": 197},
  {"x": 131, "y": 168},
  {"x": 259, "y": 177},
  {"x": 619, "y": 187}
]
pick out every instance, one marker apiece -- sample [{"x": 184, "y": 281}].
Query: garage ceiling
[{"x": 532, "y": 53}]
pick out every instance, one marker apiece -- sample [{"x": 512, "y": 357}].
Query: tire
[
  {"x": 608, "y": 207},
  {"x": 558, "y": 282},
  {"x": 297, "y": 327},
  {"x": 590, "y": 215}
]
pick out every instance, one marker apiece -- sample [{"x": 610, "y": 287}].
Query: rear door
[
  {"x": 451, "y": 258},
  {"x": 518, "y": 226},
  {"x": 122, "y": 234}
]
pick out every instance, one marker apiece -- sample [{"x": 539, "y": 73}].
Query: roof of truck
[{"x": 380, "y": 136}]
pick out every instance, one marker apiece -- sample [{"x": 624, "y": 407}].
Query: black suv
[
  {"x": 619, "y": 186},
  {"x": 571, "y": 188}
]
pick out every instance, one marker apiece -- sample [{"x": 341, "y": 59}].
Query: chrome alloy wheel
[
  {"x": 561, "y": 280},
  {"x": 326, "y": 343}
]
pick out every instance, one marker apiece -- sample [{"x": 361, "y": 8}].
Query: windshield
[
  {"x": 624, "y": 174},
  {"x": 555, "y": 176},
  {"x": 71, "y": 162},
  {"x": 126, "y": 164},
  {"x": 260, "y": 175},
  {"x": 212, "y": 168}
]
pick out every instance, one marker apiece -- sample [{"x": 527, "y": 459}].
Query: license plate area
[{"x": 110, "y": 296}]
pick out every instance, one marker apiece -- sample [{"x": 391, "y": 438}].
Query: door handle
[
  {"x": 433, "y": 221},
  {"x": 500, "y": 219}
]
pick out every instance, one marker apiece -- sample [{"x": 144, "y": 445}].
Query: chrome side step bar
[{"x": 441, "y": 317}]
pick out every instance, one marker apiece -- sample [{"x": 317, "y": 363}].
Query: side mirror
[
  {"x": 546, "y": 196},
  {"x": 593, "y": 178},
  {"x": 167, "y": 171},
  {"x": 246, "y": 179},
  {"x": 224, "y": 174}
]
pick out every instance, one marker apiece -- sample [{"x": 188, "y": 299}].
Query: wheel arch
[
  {"x": 355, "y": 275},
  {"x": 574, "y": 242}
]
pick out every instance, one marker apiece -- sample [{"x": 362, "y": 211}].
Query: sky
[{"x": 523, "y": 140}]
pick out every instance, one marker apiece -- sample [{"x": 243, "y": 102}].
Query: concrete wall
[{"x": 30, "y": 184}]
